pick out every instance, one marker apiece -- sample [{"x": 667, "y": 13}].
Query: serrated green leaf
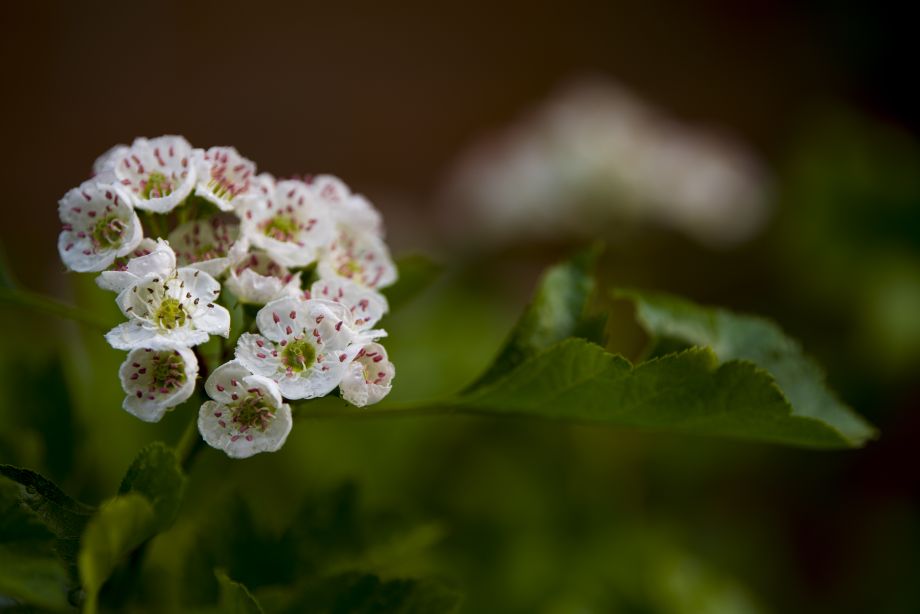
[
  {"x": 735, "y": 337},
  {"x": 416, "y": 273},
  {"x": 156, "y": 474},
  {"x": 234, "y": 597},
  {"x": 122, "y": 524},
  {"x": 689, "y": 392},
  {"x": 557, "y": 311},
  {"x": 357, "y": 593}
]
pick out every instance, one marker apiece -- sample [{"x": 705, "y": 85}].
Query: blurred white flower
[
  {"x": 359, "y": 256},
  {"x": 167, "y": 311},
  {"x": 157, "y": 380},
  {"x": 286, "y": 220},
  {"x": 347, "y": 209},
  {"x": 369, "y": 377},
  {"x": 596, "y": 156},
  {"x": 247, "y": 415},
  {"x": 223, "y": 175},
  {"x": 205, "y": 244},
  {"x": 304, "y": 345},
  {"x": 158, "y": 173},
  {"x": 148, "y": 257},
  {"x": 99, "y": 225}
]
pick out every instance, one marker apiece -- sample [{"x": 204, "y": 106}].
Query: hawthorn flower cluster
[{"x": 181, "y": 234}]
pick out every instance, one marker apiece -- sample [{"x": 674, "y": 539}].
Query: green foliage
[
  {"x": 416, "y": 273},
  {"x": 358, "y": 593},
  {"x": 155, "y": 473},
  {"x": 556, "y": 312},
  {"x": 30, "y": 569},
  {"x": 735, "y": 337},
  {"x": 234, "y": 597},
  {"x": 122, "y": 524}
]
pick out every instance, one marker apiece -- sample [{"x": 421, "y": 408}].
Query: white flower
[
  {"x": 157, "y": 380},
  {"x": 171, "y": 310},
  {"x": 365, "y": 305},
  {"x": 98, "y": 226},
  {"x": 287, "y": 222},
  {"x": 205, "y": 244},
  {"x": 305, "y": 346},
  {"x": 369, "y": 377},
  {"x": 247, "y": 415},
  {"x": 347, "y": 209},
  {"x": 359, "y": 256},
  {"x": 223, "y": 175},
  {"x": 256, "y": 279},
  {"x": 148, "y": 257},
  {"x": 157, "y": 172}
]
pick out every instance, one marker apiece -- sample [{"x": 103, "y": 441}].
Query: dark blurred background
[{"x": 529, "y": 517}]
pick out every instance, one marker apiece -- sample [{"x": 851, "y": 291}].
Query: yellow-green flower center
[
  {"x": 157, "y": 186},
  {"x": 298, "y": 355},
  {"x": 108, "y": 232},
  {"x": 282, "y": 227},
  {"x": 170, "y": 314},
  {"x": 252, "y": 412},
  {"x": 168, "y": 370}
]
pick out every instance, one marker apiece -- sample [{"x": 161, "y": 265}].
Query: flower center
[
  {"x": 298, "y": 355},
  {"x": 170, "y": 314},
  {"x": 168, "y": 371},
  {"x": 282, "y": 228},
  {"x": 108, "y": 231},
  {"x": 350, "y": 268},
  {"x": 156, "y": 186},
  {"x": 252, "y": 412}
]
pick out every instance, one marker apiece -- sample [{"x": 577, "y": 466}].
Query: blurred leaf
[
  {"x": 357, "y": 593},
  {"x": 122, "y": 524},
  {"x": 30, "y": 570},
  {"x": 735, "y": 337},
  {"x": 688, "y": 392},
  {"x": 155, "y": 473},
  {"x": 556, "y": 312},
  {"x": 234, "y": 597},
  {"x": 65, "y": 517},
  {"x": 416, "y": 273}
]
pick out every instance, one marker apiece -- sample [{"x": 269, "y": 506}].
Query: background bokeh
[{"x": 521, "y": 516}]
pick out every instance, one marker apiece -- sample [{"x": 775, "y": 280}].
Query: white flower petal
[
  {"x": 365, "y": 305},
  {"x": 205, "y": 244},
  {"x": 98, "y": 226},
  {"x": 247, "y": 415},
  {"x": 147, "y": 258},
  {"x": 223, "y": 175},
  {"x": 156, "y": 381},
  {"x": 361, "y": 257},
  {"x": 350, "y": 210},
  {"x": 369, "y": 377},
  {"x": 288, "y": 223},
  {"x": 158, "y": 173}
]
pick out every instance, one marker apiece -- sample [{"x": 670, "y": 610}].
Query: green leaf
[
  {"x": 234, "y": 597},
  {"x": 688, "y": 392},
  {"x": 156, "y": 474},
  {"x": 122, "y": 524},
  {"x": 734, "y": 337},
  {"x": 416, "y": 273},
  {"x": 65, "y": 517},
  {"x": 556, "y": 312},
  {"x": 31, "y": 572},
  {"x": 357, "y": 593}
]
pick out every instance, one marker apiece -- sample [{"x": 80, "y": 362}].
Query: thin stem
[
  {"x": 190, "y": 444},
  {"x": 45, "y": 304}
]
